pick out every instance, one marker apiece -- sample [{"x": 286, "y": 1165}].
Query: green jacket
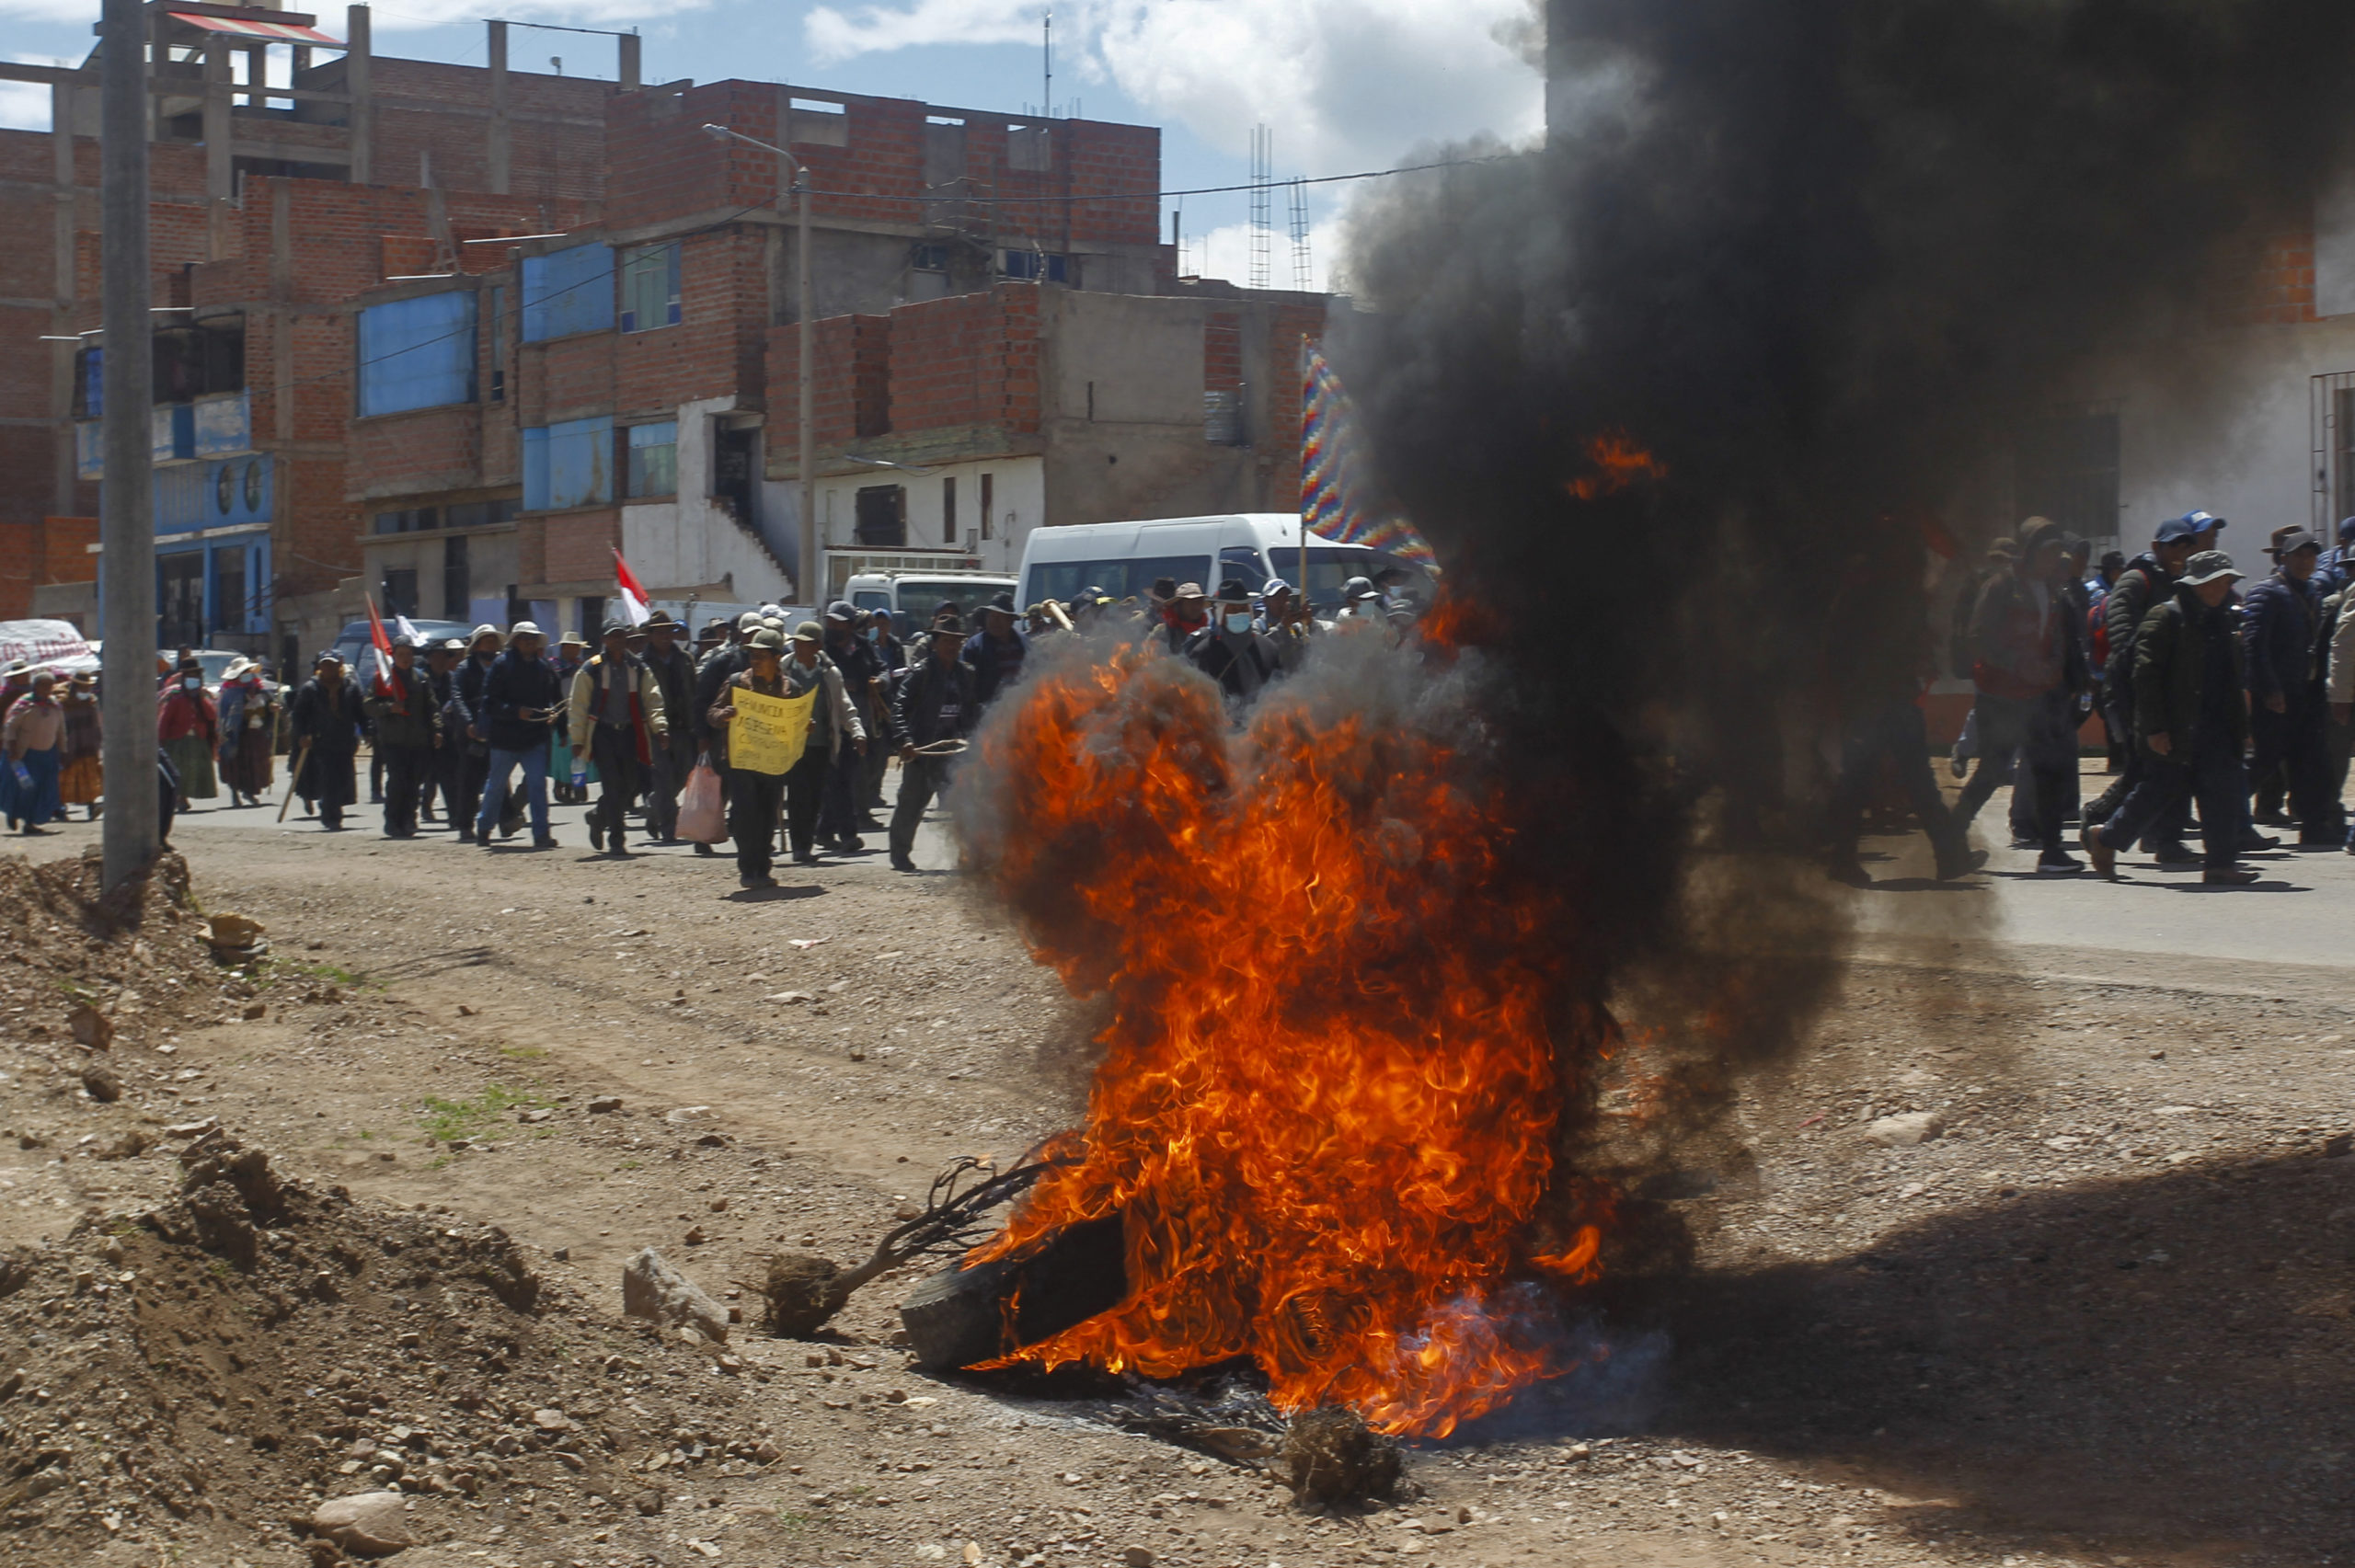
[{"x": 2171, "y": 671}]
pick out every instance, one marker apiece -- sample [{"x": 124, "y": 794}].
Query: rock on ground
[{"x": 652, "y": 1289}]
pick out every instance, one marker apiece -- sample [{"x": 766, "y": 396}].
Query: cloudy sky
[{"x": 1344, "y": 85}]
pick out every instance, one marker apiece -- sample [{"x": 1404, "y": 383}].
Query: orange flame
[
  {"x": 1328, "y": 1099},
  {"x": 1621, "y": 462}
]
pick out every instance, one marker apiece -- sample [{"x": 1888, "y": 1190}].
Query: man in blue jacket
[
  {"x": 520, "y": 698},
  {"x": 2286, "y": 706}
]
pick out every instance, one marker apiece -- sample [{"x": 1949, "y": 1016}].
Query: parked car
[
  {"x": 912, "y": 597},
  {"x": 1123, "y": 558},
  {"x": 351, "y": 644}
]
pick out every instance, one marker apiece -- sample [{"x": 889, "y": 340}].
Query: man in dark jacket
[
  {"x": 998, "y": 650},
  {"x": 933, "y": 714},
  {"x": 327, "y": 721},
  {"x": 2288, "y": 712},
  {"x": 2028, "y": 668},
  {"x": 1231, "y": 650},
  {"x": 674, "y": 680},
  {"x": 2145, "y": 582},
  {"x": 859, "y": 666},
  {"x": 442, "y": 677},
  {"x": 408, "y": 730},
  {"x": 520, "y": 698},
  {"x": 474, "y": 765},
  {"x": 723, "y": 664},
  {"x": 615, "y": 718},
  {"x": 2190, "y": 719}
]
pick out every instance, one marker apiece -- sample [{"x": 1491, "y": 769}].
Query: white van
[
  {"x": 912, "y": 597},
  {"x": 1123, "y": 558}
]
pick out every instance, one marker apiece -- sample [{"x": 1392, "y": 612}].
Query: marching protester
[
  {"x": 32, "y": 736},
  {"x": 2190, "y": 719},
  {"x": 474, "y": 762},
  {"x": 1360, "y": 600},
  {"x": 930, "y": 720},
  {"x": 328, "y": 722},
  {"x": 892, "y": 655},
  {"x": 755, "y": 798},
  {"x": 674, "y": 682},
  {"x": 724, "y": 662},
  {"x": 406, "y": 722},
  {"x": 449, "y": 758},
  {"x": 2027, "y": 668},
  {"x": 998, "y": 650},
  {"x": 248, "y": 711},
  {"x": 2289, "y": 714},
  {"x": 835, "y": 727},
  {"x": 571, "y": 653},
  {"x": 2145, "y": 582},
  {"x": 2337, "y": 652},
  {"x": 1232, "y": 650},
  {"x": 1184, "y": 613},
  {"x": 81, "y": 780},
  {"x": 1879, "y": 604},
  {"x": 616, "y": 719},
  {"x": 858, "y": 667},
  {"x": 188, "y": 726},
  {"x": 520, "y": 699}
]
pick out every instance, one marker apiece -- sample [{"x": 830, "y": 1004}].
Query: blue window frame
[
  {"x": 566, "y": 292},
  {"x": 417, "y": 353},
  {"x": 571, "y": 464},
  {"x": 650, "y": 287}
]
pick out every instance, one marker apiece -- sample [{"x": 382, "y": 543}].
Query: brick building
[
  {"x": 453, "y": 334},
  {"x": 279, "y": 188},
  {"x": 1001, "y": 343}
]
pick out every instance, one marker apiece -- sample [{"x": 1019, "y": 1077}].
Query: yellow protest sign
[{"x": 768, "y": 732}]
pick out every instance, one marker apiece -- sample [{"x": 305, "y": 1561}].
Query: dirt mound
[
  {"x": 138, "y": 954},
  {"x": 204, "y": 1373}
]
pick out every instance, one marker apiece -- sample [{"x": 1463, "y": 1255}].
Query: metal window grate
[{"x": 2332, "y": 415}]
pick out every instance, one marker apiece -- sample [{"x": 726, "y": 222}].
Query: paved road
[{"x": 2303, "y": 912}]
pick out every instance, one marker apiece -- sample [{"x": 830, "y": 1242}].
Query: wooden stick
[{"x": 294, "y": 775}]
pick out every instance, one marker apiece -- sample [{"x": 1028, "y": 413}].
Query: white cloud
[
  {"x": 416, "y": 14},
  {"x": 24, "y": 106},
  {"x": 1345, "y": 84},
  {"x": 1225, "y": 253}
]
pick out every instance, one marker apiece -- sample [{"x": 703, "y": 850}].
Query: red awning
[{"x": 279, "y": 32}]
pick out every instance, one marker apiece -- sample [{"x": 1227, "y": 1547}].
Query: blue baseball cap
[
  {"x": 2202, "y": 521},
  {"x": 2174, "y": 531},
  {"x": 2347, "y": 528}
]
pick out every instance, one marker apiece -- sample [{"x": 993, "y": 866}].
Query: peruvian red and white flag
[
  {"x": 635, "y": 604},
  {"x": 384, "y": 647}
]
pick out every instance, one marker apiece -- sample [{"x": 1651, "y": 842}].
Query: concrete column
[
  {"x": 629, "y": 67},
  {"x": 364, "y": 102},
  {"x": 216, "y": 118},
  {"x": 60, "y": 316},
  {"x": 502, "y": 146},
  {"x": 127, "y": 513}
]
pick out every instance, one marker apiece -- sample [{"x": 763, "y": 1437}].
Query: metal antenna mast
[
  {"x": 1047, "y": 33},
  {"x": 1263, "y": 141},
  {"x": 1303, "y": 274}
]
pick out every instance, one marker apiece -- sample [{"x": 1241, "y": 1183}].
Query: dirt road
[{"x": 2101, "y": 1313}]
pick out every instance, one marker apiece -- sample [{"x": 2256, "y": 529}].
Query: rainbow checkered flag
[{"x": 1337, "y": 500}]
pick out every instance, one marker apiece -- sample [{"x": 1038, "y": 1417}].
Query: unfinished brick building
[{"x": 575, "y": 332}]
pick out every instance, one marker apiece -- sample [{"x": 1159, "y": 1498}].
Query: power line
[{"x": 1191, "y": 190}]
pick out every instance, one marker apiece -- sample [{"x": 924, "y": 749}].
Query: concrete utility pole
[
  {"x": 812, "y": 567},
  {"x": 127, "y": 509}
]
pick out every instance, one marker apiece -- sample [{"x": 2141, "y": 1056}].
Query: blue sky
[{"x": 1344, "y": 85}]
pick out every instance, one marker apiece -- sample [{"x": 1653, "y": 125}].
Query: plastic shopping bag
[{"x": 703, "y": 805}]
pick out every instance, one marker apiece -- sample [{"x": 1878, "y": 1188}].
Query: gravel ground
[{"x": 2100, "y": 1313}]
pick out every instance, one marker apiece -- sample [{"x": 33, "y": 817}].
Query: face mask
[
  {"x": 191, "y": 683},
  {"x": 1238, "y": 621},
  {"x": 872, "y": 633}
]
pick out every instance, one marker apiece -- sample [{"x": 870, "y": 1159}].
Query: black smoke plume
[{"x": 1820, "y": 259}]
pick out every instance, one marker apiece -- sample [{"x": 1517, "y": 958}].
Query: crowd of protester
[
  {"x": 2227, "y": 707},
  {"x": 2214, "y": 693},
  {"x": 492, "y": 727}
]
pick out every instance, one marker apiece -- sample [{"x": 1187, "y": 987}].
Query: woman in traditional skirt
[
  {"x": 32, "y": 735},
  {"x": 249, "y": 723},
  {"x": 83, "y": 779},
  {"x": 189, "y": 728}
]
